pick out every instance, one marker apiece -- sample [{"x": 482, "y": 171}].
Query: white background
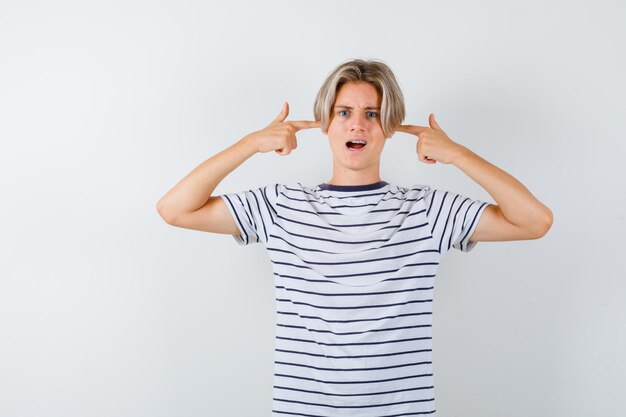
[{"x": 106, "y": 310}]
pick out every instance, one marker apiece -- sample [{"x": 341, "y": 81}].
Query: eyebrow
[{"x": 350, "y": 108}]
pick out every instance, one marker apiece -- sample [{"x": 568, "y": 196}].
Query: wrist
[
  {"x": 461, "y": 154},
  {"x": 249, "y": 145}
]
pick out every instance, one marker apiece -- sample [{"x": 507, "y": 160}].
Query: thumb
[
  {"x": 283, "y": 113},
  {"x": 433, "y": 123}
]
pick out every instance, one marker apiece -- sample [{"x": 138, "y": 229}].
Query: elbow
[
  {"x": 164, "y": 213},
  {"x": 545, "y": 224}
]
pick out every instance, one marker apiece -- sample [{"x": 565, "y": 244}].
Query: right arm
[{"x": 190, "y": 204}]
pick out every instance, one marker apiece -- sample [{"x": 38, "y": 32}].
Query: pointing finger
[
  {"x": 415, "y": 130},
  {"x": 304, "y": 124}
]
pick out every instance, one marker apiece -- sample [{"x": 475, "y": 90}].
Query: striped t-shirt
[{"x": 354, "y": 272}]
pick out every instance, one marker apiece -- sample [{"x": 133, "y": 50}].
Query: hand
[
  {"x": 433, "y": 144},
  {"x": 280, "y": 136}
]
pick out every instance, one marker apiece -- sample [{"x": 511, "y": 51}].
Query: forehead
[{"x": 359, "y": 93}]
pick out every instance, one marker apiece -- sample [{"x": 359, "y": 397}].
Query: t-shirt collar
[{"x": 365, "y": 187}]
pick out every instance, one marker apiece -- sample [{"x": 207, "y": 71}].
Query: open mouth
[{"x": 356, "y": 144}]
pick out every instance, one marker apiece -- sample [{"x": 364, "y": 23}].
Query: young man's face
[{"x": 356, "y": 115}]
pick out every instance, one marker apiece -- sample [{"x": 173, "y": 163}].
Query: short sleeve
[
  {"x": 452, "y": 218},
  {"x": 254, "y": 211}
]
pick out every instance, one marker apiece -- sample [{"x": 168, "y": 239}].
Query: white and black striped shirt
[{"x": 354, "y": 272}]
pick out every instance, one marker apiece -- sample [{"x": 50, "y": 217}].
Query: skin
[
  {"x": 517, "y": 214},
  {"x": 360, "y": 121}
]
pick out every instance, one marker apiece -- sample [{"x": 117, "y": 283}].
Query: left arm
[{"x": 518, "y": 215}]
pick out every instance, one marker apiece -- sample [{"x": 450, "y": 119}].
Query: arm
[
  {"x": 518, "y": 215},
  {"x": 195, "y": 189},
  {"x": 190, "y": 205}
]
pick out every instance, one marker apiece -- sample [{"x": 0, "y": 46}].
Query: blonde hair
[{"x": 373, "y": 71}]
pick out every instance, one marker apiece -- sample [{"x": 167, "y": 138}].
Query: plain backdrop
[{"x": 106, "y": 310}]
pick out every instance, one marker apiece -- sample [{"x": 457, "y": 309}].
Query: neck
[{"x": 354, "y": 178}]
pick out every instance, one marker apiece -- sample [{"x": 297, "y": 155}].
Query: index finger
[
  {"x": 304, "y": 124},
  {"x": 411, "y": 129}
]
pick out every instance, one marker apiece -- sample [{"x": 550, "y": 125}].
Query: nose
[{"x": 358, "y": 122}]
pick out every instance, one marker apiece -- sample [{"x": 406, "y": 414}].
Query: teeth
[{"x": 357, "y": 141}]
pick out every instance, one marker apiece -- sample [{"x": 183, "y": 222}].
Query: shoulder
[
  {"x": 419, "y": 190},
  {"x": 297, "y": 189}
]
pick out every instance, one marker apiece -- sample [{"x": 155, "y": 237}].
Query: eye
[
  {"x": 374, "y": 113},
  {"x": 342, "y": 111}
]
